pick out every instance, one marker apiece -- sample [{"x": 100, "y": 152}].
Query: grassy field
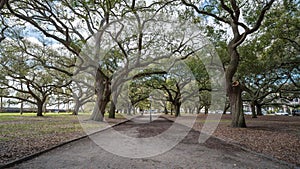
[
  {"x": 14, "y": 125},
  {"x": 28, "y": 125},
  {"x": 25, "y": 134}
]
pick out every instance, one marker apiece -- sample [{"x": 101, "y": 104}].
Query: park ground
[{"x": 274, "y": 136}]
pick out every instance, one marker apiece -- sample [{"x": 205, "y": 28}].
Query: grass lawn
[
  {"x": 28, "y": 125},
  {"x": 25, "y": 134}
]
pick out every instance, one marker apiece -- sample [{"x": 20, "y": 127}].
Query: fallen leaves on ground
[
  {"x": 28, "y": 135},
  {"x": 275, "y": 136}
]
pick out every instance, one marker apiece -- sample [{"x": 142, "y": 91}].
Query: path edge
[
  {"x": 31, "y": 156},
  {"x": 291, "y": 165}
]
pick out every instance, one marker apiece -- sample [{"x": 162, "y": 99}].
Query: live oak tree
[
  {"x": 31, "y": 72},
  {"x": 3, "y": 93},
  {"x": 264, "y": 78},
  {"x": 73, "y": 23},
  {"x": 59, "y": 19},
  {"x": 82, "y": 92},
  {"x": 132, "y": 46},
  {"x": 243, "y": 18},
  {"x": 272, "y": 56},
  {"x": 289, "y": 94},
  {"x": 263, "y": 88},
  {"x": 203, "y": 81},
  {"x": 138, "y": 92},
  {"x": 61, "y": 98},
  {"x": 177, "y": 87},
  {"x": 135, "y": 95},
  {"x": 3, "y": 25}
]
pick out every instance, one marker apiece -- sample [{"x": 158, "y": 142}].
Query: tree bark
[
  {"x": 205, "y": 109},
  {"x": 2, "y": 3},
  {"x": 199, "y": 109},
  {"x": 252, "y": 104},
  {"x": 112, "y": 110},
  {"x": 129, "y": 108},
  {"x": 21, "y": 108},
  {"x": 185, "y": 110},
  {"x": 165, "y": 109},
  {"x": 39, "y": 108},
  {"x": 234, "y": 89},
  {"x": 177, "y": 109},
  {"x": 258, "y": 109},
  {"x": 76, "y": 107},
  {"x": 236, "y": 104},
  {"x": 226, "y": 107},
  {"x": 1, "y": 100},
  {"x": 103, "y": 92},
  {"x": 99, "y": 109}
]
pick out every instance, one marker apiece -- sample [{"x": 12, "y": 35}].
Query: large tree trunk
[
  {"x": 177, "y": 109},
  {"x": 226, "y": 108},
  {"x": 165, "y": 109},
  {"x": 113, "y": 103},
  {"x": 206, "y": 109},
  {"x": 99, "y": 109},
  {"x": 45, "y": 107},
  {"x": 58, "y": 103},
  {"x": 233, "y": 88},
  {"x": 1, "y": 100},
  {"x": 129, "y": 108},
  {"x": 103, "y": 92},
  {"x": 21, "y": 108},
  {"x": 199, "y": 109},
  {"x": 252, "y": 104},
  {"x": 112, "y": 110},
  {"x": 76, "y": 107},
  {"x": 258, "y": 109},
  {"x": 191, "y": 110},
  {"x": 39, "y": 108},
  {"x": 185, "y": 110},
  {"x": 236, "y": 104}
]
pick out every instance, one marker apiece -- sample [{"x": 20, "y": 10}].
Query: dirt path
[{"x": 188, "y": 153}]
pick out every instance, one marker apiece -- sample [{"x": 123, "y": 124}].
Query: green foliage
[
  {"x": 270, "y": 59},
  {"x": 32, "y": 71},
  {"x": 139, "y": 92}
]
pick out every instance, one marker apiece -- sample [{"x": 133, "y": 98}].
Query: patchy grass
[
  {"x": 90, "y": 126},
  {"x": 25, "y": 134},
  {"x": 4, "y": 118},
  {"x": 14, "y": 126}
]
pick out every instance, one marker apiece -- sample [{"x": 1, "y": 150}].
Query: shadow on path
[{"x": 214, "y": 153}]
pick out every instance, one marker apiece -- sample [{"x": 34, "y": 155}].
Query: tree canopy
[{"x": 92, "y": 49}]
